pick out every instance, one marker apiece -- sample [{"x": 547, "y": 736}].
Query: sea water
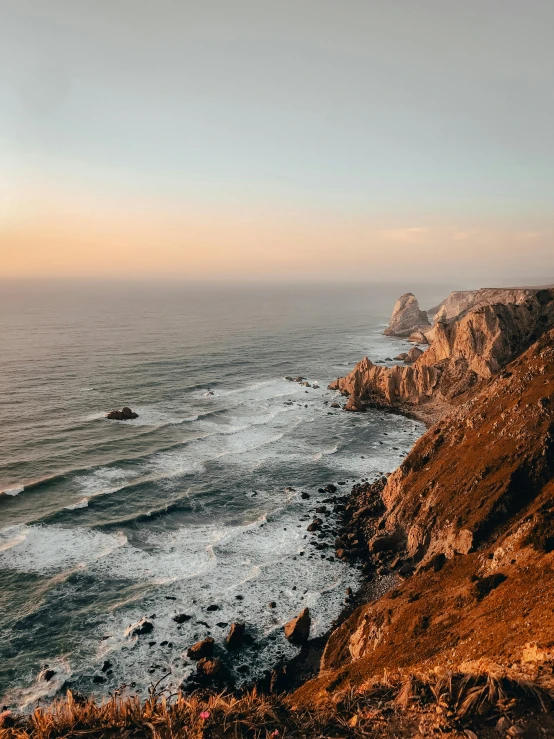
[{"x": 195, "y": 503}]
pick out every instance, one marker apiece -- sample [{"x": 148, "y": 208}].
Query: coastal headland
[{"x": 451, "y": 631}]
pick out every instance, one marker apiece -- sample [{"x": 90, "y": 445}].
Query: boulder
[
  {"x": 209, "y": 666},
  {"x": 297, "y": 630},
  {"x": 125, "y": 414},
  {"x": 202, "y": 648},
  {"x": 235, "y": 636},
  {"x": 414, "y": 354},
  {"x": 141, "y": 627}
]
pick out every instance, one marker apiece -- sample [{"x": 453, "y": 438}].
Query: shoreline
[
  {"x": 376, "y": 582},
  {"x": 377, "y": 578}
]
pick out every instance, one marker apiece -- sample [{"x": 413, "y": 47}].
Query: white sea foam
[
  {"x": 12, "y": 536},
  {"x": 40, "y": 689},
  {"x": 53, "y": 549},
  {"x": 75, "y": 506},
  {"x": 13, "y": 491}
]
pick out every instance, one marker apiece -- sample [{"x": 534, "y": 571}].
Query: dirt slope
[{"x": 471, "y": 511}]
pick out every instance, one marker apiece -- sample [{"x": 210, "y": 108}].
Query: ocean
[{"x": 195, "y": 503}]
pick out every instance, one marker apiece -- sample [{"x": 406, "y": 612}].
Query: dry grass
[{"x": 380, "y": 708}]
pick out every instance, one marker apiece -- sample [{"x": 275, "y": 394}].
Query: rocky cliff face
[
  {"x": 470, "y": 513},
  {"x": 462, "y": 354},
  {"x": 407, "y": 317},
  {"x": 462, "y": 301}
]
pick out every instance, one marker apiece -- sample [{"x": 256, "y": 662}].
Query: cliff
[
  {"x": 461, "y": 301},
  {"x": 462, "y": 354},
  {"x": 470, "y": 513}
]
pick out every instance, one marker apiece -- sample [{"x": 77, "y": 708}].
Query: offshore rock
[
  {"x": 406, "y": 317},
  {"x": 209, "y": 667},
  {"x": 125, "y": 414}
]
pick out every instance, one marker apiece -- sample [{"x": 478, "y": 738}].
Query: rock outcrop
[
  {"x": 125, "y": 414},
  {"x": 413, "y": 355},
  {"x": 462, "y": 354},
  {"x": 407, "y": 317},
  {"x": 472, "y": 509}
]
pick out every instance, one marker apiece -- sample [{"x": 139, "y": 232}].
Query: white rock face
[{"x": 406, "y": 317}]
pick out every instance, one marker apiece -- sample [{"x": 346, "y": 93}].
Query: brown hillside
[{"x": 472, "y": 510}]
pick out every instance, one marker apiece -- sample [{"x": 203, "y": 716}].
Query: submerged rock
[{"x": 141, "y": 627}]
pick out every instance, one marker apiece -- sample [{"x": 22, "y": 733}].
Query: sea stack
[{"x": 407, "y": 317}]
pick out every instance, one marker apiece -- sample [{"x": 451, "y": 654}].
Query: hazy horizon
[{"x": 300, "y": 142}]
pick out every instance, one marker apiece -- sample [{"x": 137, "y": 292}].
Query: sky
[{"x": 306, "y": 140}]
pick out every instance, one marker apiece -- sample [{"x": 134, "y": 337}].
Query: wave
[
  {"x": 42, "y": 690},
  {"x": 12, "y": 492},
  {"x": 76, "y": 506},
  {"x": 12, "y": 536}
]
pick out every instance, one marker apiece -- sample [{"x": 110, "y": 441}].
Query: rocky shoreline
[
  {"x": 450, "y": 630},
  {"x": 351, "y": 521}
]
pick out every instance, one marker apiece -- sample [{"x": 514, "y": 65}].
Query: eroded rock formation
[
  {"x": 406, "y": 317},
  {"x": 462, "y": 354}
]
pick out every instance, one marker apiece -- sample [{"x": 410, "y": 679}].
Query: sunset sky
[{"x": 299, "y": 139}]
